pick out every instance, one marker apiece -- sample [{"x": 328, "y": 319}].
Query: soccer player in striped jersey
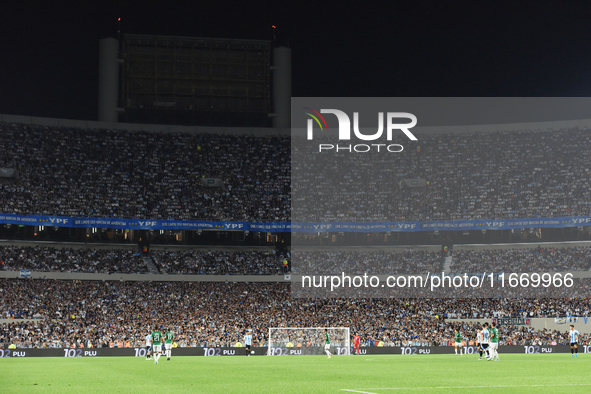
[
  {"x": 248, "y": 342},
  {"x": 457, "y": 341},
  {"x": 479, "y": 343},
  {"x": 494, "y": 342},
  {"x": 574, "y": 339},
  {"x": 148, "y": 346},
  {"x": 485, "y": 339}
]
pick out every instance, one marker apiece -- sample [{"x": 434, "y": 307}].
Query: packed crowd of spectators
[
  {"x": 47, "y": 258},
  {"x": 468, "y": 176},
  {"x": 539, "y": 259},
  {"x": 408, "y": 261},
  {"x": 215, "y": 262},
  {"x": 107, "y": 173},
  {"x": 217, "y": 314},
  {"x": 411, "y": 261},
  {"x": 301, "y": 262}
]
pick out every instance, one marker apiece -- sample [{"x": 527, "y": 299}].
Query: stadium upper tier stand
[
  {"x": 468, "y": 176},
  {"x": 73, "y": 313},
  {"x": 108, "y": 173}
]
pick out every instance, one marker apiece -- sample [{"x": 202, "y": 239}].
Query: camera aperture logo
[{"x": 344, "y": 133}]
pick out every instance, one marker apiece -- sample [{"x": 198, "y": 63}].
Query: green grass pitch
[{"x": 549, "y": 373}]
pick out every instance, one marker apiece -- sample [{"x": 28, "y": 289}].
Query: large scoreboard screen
[{"x": 189, "y": 80}]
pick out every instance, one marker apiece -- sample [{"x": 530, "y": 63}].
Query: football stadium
[{"x": 210, "y": 233}]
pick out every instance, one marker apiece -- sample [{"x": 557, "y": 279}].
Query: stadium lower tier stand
[
  {"x": 108, "y": 173},
  {"x": 72, "y": 313}
]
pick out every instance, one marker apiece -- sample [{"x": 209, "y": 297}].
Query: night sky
[{"x": 49, "y": 50}]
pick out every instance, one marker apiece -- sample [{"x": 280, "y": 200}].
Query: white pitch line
[{"x": 464, "y": 387}]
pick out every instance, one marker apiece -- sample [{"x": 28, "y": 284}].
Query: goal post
[{"x": 296, "y": 341}]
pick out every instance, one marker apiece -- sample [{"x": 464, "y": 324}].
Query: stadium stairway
[
  {"x": 150, "y": 264},
  {"x": 447, "y": 264}
]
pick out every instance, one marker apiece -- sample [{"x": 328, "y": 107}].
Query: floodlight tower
[
  {"x": 281, "y": 87},
  {"x": 108, "y": 88}
]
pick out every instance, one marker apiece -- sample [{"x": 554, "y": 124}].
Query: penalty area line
[{"x": 463, "y": 387}]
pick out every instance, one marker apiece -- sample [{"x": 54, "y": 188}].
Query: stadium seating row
[{"x": 216, "y": 262}]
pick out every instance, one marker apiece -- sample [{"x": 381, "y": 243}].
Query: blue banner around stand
[{"x": 362, "y": 227}]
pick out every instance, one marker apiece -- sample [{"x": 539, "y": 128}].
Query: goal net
[{"x": 295, "y": 341}]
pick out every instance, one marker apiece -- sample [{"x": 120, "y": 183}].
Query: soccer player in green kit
[
  {"x": 458, "y": 341},
  {"x": 168, "y": 344},
  {"x": 494, "y": 342},
  {"x": 156, "y": 345},
  {"x": 327, "y": 343}
]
